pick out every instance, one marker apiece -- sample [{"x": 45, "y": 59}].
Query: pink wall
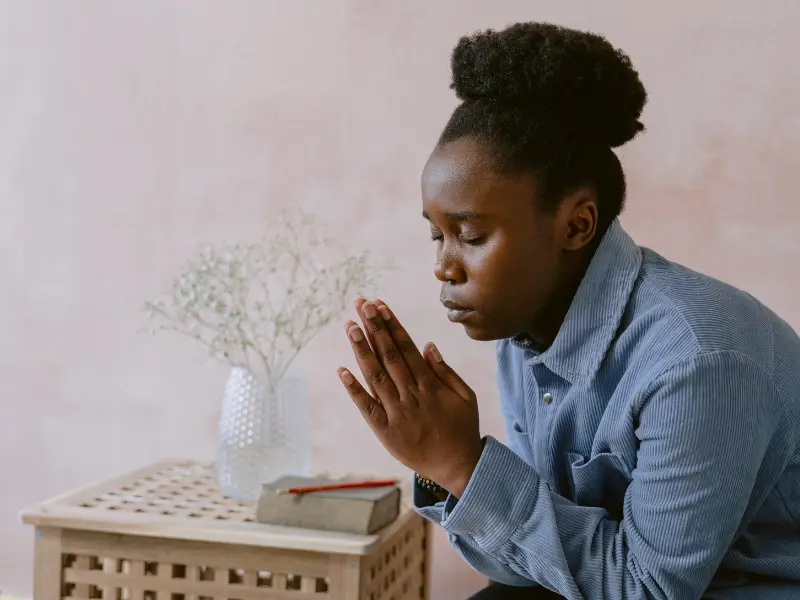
[{"x": 132, "y": 131}]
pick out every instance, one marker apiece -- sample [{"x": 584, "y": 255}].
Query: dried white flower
[{"x": 257, "y": 305}]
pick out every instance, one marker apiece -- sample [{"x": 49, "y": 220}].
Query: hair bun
[{"x": 574, "y": 77}]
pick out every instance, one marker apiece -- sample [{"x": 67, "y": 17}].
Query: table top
[{"x": 181, "y": 500}]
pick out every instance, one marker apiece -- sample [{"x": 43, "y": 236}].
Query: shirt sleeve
[
  {"x": 427, "y": 506},
  {"x": 703, "y": 428}
]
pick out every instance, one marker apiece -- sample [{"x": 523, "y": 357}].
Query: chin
[
  {"x": 475, "y": 326},
  {"x": 480, "y": 334}
]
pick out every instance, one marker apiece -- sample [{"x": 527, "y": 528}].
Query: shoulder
[
  {"x": 700, "y": 325},
  {"x": 707, "y": 315}
]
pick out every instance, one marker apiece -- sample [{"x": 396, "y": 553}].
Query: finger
[
  {"x": 373, "y": 370},
  {"x": 386, "y": 349},
  {"x": 372, "y": 411},
  {"x": 359, "y": 306},
  {"x": 447, "y": 375},
  {"x": 408, "y": 349},
  {"x": 358, "y": 303}
]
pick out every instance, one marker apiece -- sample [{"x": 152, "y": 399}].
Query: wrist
[{"x": 457, "y": 477}]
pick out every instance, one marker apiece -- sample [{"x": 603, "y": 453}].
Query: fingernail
[
  {"x": 347, "y": 377},
  {"x": 357, "y": 298},
  {"x": 370, "y": 311},
  {"x": 435, "y": 353},
  {"x": 384, "y": 310},
  {"x": 355, "y": 333}
]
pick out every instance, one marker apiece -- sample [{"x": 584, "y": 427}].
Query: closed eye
[{"x": 473, "y": 241}]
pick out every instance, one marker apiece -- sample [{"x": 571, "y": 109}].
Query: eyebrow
[{"x": 458, "y": 216}]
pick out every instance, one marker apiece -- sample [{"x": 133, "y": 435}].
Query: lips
[
  {"x": 457, "y": 312},
  {"x": 450, "y": 305}
]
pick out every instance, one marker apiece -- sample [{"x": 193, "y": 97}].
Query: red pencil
[{"x": 336, "y": 486}]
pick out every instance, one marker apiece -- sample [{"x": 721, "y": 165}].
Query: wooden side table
[{"x": 166, "y": 533}]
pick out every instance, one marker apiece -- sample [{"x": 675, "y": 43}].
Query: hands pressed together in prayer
[{"x": 418, "y": 407}]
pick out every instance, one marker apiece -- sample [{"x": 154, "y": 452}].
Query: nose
[{"x": 448, "y": 268}]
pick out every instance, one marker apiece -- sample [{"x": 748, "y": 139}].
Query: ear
[{"x": 577, "y": 218}]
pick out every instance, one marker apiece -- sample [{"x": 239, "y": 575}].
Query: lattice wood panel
[
  {"x": 171, "y": 570},
  {"x": 183, "y": 490},
  {"x": 398, "y": 570},
  {"x": 88, "y": 577}
]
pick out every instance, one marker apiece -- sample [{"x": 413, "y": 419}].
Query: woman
[{"x": 652, "y": 413}]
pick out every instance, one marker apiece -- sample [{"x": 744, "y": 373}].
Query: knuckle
[
  {"x": 413, "y": 394},
  {"x": 391, "y": 356},
  {"x": 427, "y": 383},
  {"x": 378, "y": 377},
  {"x": 363, "y": 350},
  {"x": 375, "y": 413}
]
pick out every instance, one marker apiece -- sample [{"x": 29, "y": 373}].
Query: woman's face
[{"x": 497, "y": 254}]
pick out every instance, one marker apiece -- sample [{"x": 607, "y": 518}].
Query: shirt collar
[{"x": 596, "y": 310}]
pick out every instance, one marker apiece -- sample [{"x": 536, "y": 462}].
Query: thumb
[{"x": 445, "y": 374}]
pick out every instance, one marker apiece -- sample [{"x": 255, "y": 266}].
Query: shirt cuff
[{"x": 496, "y": 500}]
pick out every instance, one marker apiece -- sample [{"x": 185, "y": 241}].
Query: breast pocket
[{"x": 601, "y": 481}]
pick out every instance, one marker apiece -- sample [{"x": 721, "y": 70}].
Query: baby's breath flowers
[{"x": 257, "y": 305}]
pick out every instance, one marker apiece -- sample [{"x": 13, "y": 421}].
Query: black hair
[{"x": 549, "y": 101}]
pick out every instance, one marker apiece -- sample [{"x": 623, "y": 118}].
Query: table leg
[
  {"x": 47, "y": 565},
  {"x": 345, "y": 575}
]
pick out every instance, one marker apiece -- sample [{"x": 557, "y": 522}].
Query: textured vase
[{"x": 263, "y": 433}]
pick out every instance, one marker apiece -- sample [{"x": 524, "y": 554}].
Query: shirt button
[{"x": 547, "y": 398}]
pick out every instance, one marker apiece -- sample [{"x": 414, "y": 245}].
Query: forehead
[{"x": 460, "y": 177}]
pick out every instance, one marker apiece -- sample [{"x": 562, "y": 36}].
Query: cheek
[
  {"x": 518, "y": 272},
  {"x": 489, "y": 265}
]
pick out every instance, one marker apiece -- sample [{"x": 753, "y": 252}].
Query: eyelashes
[{"x": 475, "y": 240}]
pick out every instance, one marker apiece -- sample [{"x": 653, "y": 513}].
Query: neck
[{"x": 549, "y": 321}]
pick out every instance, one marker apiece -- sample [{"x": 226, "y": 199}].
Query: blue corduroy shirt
[{"x": 653, "y": 450}]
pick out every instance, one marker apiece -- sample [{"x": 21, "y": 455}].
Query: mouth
[{"x": 456, "y": 312}]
